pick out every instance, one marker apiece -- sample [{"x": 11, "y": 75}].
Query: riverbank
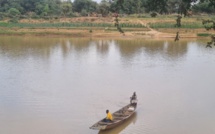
[
  {"x": 96, "y": 27},
  {"x": 86, "y": 32}
]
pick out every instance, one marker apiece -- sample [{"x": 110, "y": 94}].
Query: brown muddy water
[{"x": 64, "y": 85}]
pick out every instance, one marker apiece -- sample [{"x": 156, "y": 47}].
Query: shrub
[
  {"x": 90, "y": 31},
  {"x": 35, "y": 16},
  {"x": 13, "y": 12},
  {"x": 23, "y": 17},
  {"x": 204, "y": 34},
  {"x": 153, "y": 14},
  {"x": 83, "y": 12},
  {"x": 14, "y": 20}
]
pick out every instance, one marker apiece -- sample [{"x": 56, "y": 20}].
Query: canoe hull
[
  {"x": 115, "y": 125},
  {"x": 118, "y": 118}
]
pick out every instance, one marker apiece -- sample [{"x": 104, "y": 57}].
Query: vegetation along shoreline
[{"x": 108, "y": 18}]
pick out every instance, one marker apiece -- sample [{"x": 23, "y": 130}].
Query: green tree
[
  {"x": 173, "y": 6},
  {"x": 54, "y": 6},
  {"x": 30, "y": 5},
  {"x": 117, "y": 6},
  {"x": 131, "y": 6},
  {"x": 39, "y": 8},
  {"x": 13, "y": 12},
  {"x": 14, "y": 15},
  {"x": 185, "y": 6},
  {"x": 104, "y": 7},
  {"x": 159, "y": 6},
  {"x": 66, "y": 8},
  {"x": 211, "y": 3},
  {"x": 203, "y": 7},
  {"x": 46, "y": 10},
  {"x": 88, "y": 5},
  {"x": 5, "y": 5}
]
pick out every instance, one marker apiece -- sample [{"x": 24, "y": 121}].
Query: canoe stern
[{"x": 98, "y": 127}]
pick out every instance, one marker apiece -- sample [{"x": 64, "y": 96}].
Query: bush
[
  {"x": 90, "y": 31},
  {"x": 34, "y": 16},
  {"x": 83, "y": 12},
  {"x": 23, "y": 17},
  {"x": 56, "y": 17},
  {"x": 2, "y": 16},
  {"x": 204, "y": 34},
  {"x": 13, "y": 12},
  {"x": 153, "y": 14},
  {"x": 46, "y": 17},
  {"x": 75, "y": 14},
  {"x": 14, "y": 20}
]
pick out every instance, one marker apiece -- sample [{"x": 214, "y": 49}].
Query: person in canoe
[
  {"x": 133, "y": 99},
  {"x": 109, "y": 117}
]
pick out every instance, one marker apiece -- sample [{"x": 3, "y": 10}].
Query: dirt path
[{"x": 156, "y": 34}]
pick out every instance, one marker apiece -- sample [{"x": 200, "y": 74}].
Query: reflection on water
[
  {"x": 167, "y": 49},
  {"x": 68, "y": 83},
  {"x": 122, "y": 126},
  {"x": 128, "y": 48}
]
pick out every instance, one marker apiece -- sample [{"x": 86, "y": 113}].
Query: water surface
[{"x": 64, "y": 85}]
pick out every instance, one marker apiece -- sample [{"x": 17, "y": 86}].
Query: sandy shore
[{"x": 84, "y": 32}]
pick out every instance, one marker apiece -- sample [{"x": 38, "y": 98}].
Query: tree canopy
[{"x": 67, "y": 8}]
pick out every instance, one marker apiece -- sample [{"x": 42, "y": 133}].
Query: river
[{"x": 64, "y": 85}]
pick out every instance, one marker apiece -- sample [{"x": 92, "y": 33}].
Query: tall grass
[
  {"x": 66, "y": 25},
  {"x": 191, "y": 25},
  {"x": 36, "y": 25},
  {"x": 204, "y": 34},
  {"x": 129, "y": 25}
]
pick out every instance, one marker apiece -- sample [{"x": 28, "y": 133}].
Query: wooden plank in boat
[
  {"x": 118, "y": 118},
  {"x": 119, "y": 115},
  {"x": 105, "y": 123}
]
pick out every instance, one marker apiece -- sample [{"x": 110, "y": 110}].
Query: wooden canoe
[{"x": 118, "y": 117}]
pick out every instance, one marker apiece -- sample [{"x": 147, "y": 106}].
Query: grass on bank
[
  {"x": 43, "y": 33},
  {"x": 68, "y": 25},
  {"x": 204, "y": 34},
  {"x": 192, "y": 25}
]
